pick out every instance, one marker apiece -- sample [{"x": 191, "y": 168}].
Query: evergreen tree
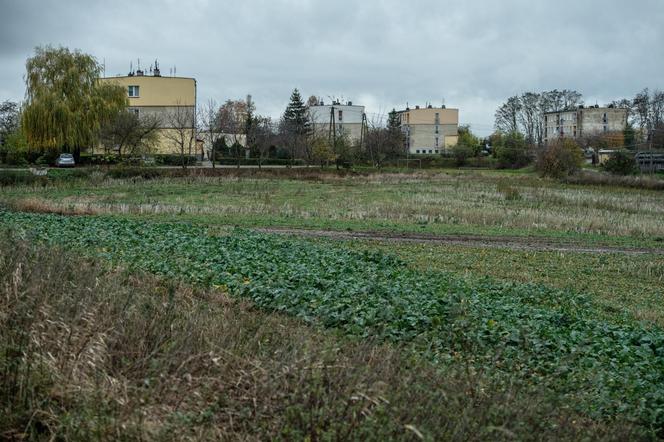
[
  {"x": 395, "y": 139},
  {"x": 296, "y": 119},
  {"x": 393, "y": 121},
  {"x": 630, "y": 136}
]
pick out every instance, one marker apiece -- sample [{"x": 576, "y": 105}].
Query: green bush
[
  {"x": 512, "y": 157},
  {"x": 19, "y": 177},
  {"x": 621, "y": 162},
  {"x": 462, "y": 153},
  {"x": 124, "y": 172},
  {"x": 562, "y": 158},
  {"x": 175, "y": 160}
]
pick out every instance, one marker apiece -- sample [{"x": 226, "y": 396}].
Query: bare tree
[
  {"x": 529, "y": 116},
  {"x": 129, "y": 134},
  {"x": 9, "y": 119},
  {"x": 233, "y": 123},
  {"x": 507, "y": 115},
  {"x": 181, "y": 130},
  {"x": 210, "y": 128},
  {"x": 263, "y": 137},
  {"x": 525, "y": 113}
]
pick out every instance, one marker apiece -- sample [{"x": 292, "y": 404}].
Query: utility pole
[
  {"x": 363, "y": 129},
  {"x": 652, "y": 165}
]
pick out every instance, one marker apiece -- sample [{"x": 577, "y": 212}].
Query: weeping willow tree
[{"x": 66, "y": 104}]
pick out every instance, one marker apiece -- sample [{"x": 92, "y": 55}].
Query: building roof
[
  {"x": 146, "y": 76},
  {"x": 576, "y": 109},
  {"x": 410, "y": 109}
]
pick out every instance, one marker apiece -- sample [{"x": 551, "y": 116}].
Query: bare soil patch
[{"x": 506, "y": 242}]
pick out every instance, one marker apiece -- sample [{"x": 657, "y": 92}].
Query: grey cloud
[{"x": 471, "y": 53}]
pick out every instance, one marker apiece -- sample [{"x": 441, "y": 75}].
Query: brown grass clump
[{"x": 87, "y": 352}]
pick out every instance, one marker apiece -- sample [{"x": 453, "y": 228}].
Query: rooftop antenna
[
  {"x": 131, "y": 68},
  {"x": 139, "y": 64},
  {"x": 175, "y": 71},
  {"x": 104, "y": 66},
  {"x": 170, "y": 72}
]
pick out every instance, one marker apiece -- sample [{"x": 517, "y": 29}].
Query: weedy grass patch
[{"x": 535, "y": 335}]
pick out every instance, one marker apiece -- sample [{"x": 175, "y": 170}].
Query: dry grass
[
  {"x": 409, "y": 200},
  {"x": 92, "y": 353}
]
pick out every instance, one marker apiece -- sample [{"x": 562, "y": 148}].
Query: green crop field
[{"x": 556, "y": 298}]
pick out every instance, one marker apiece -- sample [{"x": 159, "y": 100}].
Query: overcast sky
[{"x": 472, "y": 54}]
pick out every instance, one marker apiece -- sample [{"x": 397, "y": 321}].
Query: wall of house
[
  {"x": 603, "y": 120},
  {"x": 421, "y": 138},
  {"x": 349, "y": 114},
  {"x": 169, "y": 99},
  {"x": 585, "y": 122},
  {"x": 352, "y": 130},
  {"x": 430, "y": 130},
  {"x": 428, "y": 116},
  {"x": 159, "y": 91}
]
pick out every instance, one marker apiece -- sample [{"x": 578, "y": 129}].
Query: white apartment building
[
  {"x": 584, "y": 122},
  {"x": 346, "y": 119}
]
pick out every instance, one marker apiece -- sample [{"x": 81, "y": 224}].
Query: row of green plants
[{"x": 534, "y": 335}]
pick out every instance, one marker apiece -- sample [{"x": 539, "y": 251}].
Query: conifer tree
[{"x": 295, "y": 117}]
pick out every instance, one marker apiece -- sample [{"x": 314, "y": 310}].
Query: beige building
[
  {"x": 430, "y": 130},
  {"x": 172, "y": 100},
  {"x": 584, "y": 122},
  {"x": 347, "y": 119}
]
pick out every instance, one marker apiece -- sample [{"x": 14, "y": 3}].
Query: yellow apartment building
[
  {"x": 429, "y": 130},
  {"x": 171, "y": 99}
]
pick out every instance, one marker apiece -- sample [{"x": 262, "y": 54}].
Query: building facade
[
  {"x": 429, "y": 130},
  {"x": 172, "y": 100},
  {"x": 584, "y": 122},
  {"x": 346, "y": 119}
]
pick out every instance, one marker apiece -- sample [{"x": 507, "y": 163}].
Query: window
[
  {"x": 437, "y": 129},
  {"x": 430, "y": 150},
  {"x": 417, "y": 151},
  {"x": 436, "y": 141},
  {"x": 605, "y": 128},
  {"x": 574, "y": 131},
  {"x": 436, "y": 150},
  {"x": 341, "y": 115},
  {"x": 133, "y": 91},
  {"x": 134, "y": 110},
  {"x": 437, "y": 118}
]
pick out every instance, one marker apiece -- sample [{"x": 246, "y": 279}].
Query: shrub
[
  {"x": 175, "y": 159},
  {"x": 621, "y": 162},
  {"x": 124, "y": 172},
  {"x": 461, "y": 153},
  {"x": 560, "y": 159},
  {"x": 510, "y": 193},
  {"x": 18, "y": 177}
]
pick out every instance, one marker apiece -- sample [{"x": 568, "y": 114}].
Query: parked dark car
[{"x": 65, "y": 160}]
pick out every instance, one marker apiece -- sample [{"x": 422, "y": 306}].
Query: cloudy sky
[{"x": 472, "y": 54}]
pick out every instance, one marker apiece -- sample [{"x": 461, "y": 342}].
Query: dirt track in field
[{"x": 503, "y": 242}]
